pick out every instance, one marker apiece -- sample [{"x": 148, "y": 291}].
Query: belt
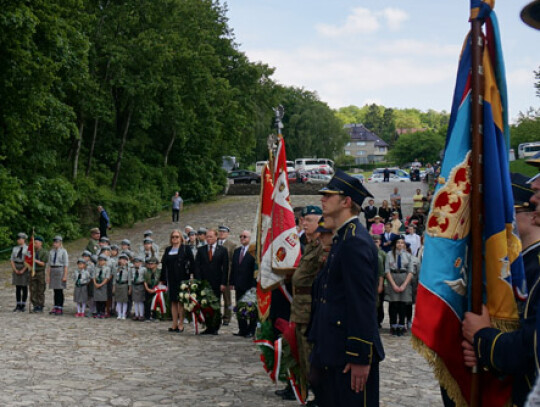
[
  {"x": 398, "y": 271},
  {"x": 121, "y": 282},
  {"x": 18, "y": 262},
  {"x": 302, "y": 291},
  {"x": 138, "y": 283},
  {"x": 57, "y": 267}
]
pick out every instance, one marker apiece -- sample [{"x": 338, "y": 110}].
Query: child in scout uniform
[
  {"x": 91, "y": 261},
  {"x": 147, "y": 249},
  {"x": 37, "y": 281},
  {"x": 57, "y": 272},
  {"x": 102, "y": 275},
  {"x": 136, "y": 274},
  {"x": 151, "y": 280},
  {"x": 81, "y": 278},
  {"x": 125, "y": 247},
  {"x": 20, "y": 275},
  {"x": 121, "y": 286}
]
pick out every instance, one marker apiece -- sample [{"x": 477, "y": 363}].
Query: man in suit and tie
[
  {"x": 242, "y": 279},
  {"x": 370, "y": 211},
  {"x": 223, "y": 240},
  {"x": 212, "y": 265},
  {"x": 388, "y": 237}
]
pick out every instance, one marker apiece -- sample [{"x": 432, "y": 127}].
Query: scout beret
[
  {"x": 148, "y": 233},
  {"x": 105, "y": 239},
  {"x": 311, "y": 210},
  {"x": 152, "y": 260},
  {"x": 202, "y": 231},
  {"x": 87, "y": 253},
  {"x": 103, "y": 257},
  {"x": 191, "y": 233},
  {"x": 189, "y": 227},
  {"x": 126, "y": 242},
  {"x": 81, "y": 260},
  {"x": 22, "y": 235},
  {"x": 114, "y": 247},
  {"x": 123, "y": 256},
  {"x": 137, "y": 259},
  {"x": 40, "y": 238},
  {"x": 521, "y": 190},
  {"x": 321, "y": 228},
  {"x": 94, "y": 230},
  {"x": 224, "y": 229},
  {"x": 105, "y": 248},
  {"x": 148, "y": 240},
  {"x": 57, "y": 238},
  {"x": 343, "y": 184}
]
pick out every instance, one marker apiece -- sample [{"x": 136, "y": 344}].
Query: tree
[
  {"x": 526, "y": 129},
  {"x": 426, "y": 146}
]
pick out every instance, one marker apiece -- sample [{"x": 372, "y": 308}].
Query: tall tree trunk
[
  {"x": 92, "y": 146},
  {"x": 78, "y": 150},
  {"x": 121, "y": 151},
  {"x": 169, "y": 148}
]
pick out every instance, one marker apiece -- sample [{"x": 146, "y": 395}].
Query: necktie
[
  {"x": 78, "y": 283},
  {"x": 19, "y": 255},
  {"x": 210, "y": 252},
  {"x": 399, "y": 261},
  {"x": 120, "y": 276},
  {"x": 136, "y": 275},
  {"x": 100, "y": 277},
  {"x": 54, "y": 260},
  {"x": 242, "y": 254}
]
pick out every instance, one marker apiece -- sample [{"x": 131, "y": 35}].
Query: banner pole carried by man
[{"x": 465, "y": 266}]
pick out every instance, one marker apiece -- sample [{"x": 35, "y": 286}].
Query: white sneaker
[{"x": 123, "y": 317}]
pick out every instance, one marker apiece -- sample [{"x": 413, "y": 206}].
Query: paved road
[{"x": 66, "y": 361}]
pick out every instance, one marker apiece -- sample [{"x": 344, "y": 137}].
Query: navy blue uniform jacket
[{"x": 344, "y": 325}]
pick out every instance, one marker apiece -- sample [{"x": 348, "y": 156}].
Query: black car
[{"x": 243, "y": 177}]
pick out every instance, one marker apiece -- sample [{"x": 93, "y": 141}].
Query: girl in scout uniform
[
  {"x": 399, "y": 272},
  {"x": 91, "y": 261},
  {"x": 20, "y": 275},
  {"x": 81, "y": 278},
  {"x": 148, "y": 249},
  {"x": 102, "y": 275},
  {"x": 136, "y": 274},
  {"x": 57, "y": 272},
  {"x": 121, "y": 286}
]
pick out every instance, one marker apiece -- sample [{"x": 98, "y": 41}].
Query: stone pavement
[{"x": 64, "y": 361}]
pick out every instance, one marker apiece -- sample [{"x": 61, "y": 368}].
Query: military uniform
[
  {"x": 151, "y": 279},
  {"x": 302, "y": 281},
  {"x": 93, "y": 246},
  {"x": 37, "y": 281},
  {"x": 513, "y": 353},
  {"x": 344, "y": 314}
]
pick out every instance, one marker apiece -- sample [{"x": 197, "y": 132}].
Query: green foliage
[
  {"x": 426, "y": 146},
  {"x": 526, "y": 129}
]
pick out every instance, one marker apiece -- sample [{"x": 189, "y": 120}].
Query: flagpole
[{"x": 476, "y": 181}]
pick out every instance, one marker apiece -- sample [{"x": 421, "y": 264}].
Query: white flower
[
  {"x": 203, "y": 293},
  {"x": 204, "y": 302},
  {"x": 194, "y": 296},
  {"x": 186, "y": 296},
  {"x": 183, "y": 287},
  {"x": 194, "y": 286}
]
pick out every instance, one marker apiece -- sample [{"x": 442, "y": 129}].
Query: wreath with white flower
[{"x": 201, "y": 304}]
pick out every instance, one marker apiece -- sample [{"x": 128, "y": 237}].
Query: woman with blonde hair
[{"x": 177, "y": 265}]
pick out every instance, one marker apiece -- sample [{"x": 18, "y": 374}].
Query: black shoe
[
  {"x": 16, "y": 309},
  {"x": 22, "y": 308},
  {"x": 206, "y": 332},
  {"x": 312, "y": 403},
  {"x": 281, "y": 392},
  {"x": 289, "y": 395},
  {"x": 249, "y": 335},
  {"x": 399, "y": 332}
]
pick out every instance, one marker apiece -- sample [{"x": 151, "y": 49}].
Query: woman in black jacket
[{"x": 176, "y": 266}]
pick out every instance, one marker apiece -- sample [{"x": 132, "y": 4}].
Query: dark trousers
[
  {"x": 100, "y": 307},
  {"x": 408, "y": 312},
  {"x": 380, "y": 308},
  {"x": 175, "y": 215},
  {"x": 37, "y": 289},
  {"x": 21, "y": 293},
  {"x": 397, "y": 310},
  {"x": 59, "y": 298},
  {"x": 332, "y": 387}
]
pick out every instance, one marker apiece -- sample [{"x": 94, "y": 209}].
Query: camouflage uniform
[{"x": 302, "y": 280}]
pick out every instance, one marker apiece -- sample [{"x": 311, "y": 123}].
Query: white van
[
  {"x": 323, "y": 165},
  {"x": 528, "y": 149},
  {"x": 259, "y": 165}
]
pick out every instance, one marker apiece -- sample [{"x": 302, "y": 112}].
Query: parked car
[
  {"x": 359, "y": 177},
  {"x": 318, "y": 178},
  {"x": 243, "y": 177},
  {"x": 397, "y": 171},
  {"x": 379, "y": 177}
]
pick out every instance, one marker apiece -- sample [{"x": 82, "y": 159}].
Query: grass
[{"x": 522, "y": 167}]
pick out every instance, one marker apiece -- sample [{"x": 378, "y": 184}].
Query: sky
[{"x": 401, "y": 53}]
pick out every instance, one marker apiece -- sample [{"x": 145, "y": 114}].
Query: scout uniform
[
  {"x": 37, "y": 281},
  {"x": 344, "y": 320},
  {"x": 136, "y": 279},
  {"x": 91, "y": 261},
  {"x": 151, "y": 279},
  {"x": 81, "y": 278},
  {"x": 514, "y": 352},
  {"x": 302, "y": 281},
  {"x": 102, "y": 272},
  {"x": 152, "y": 251},
  {"x": 58, "y": 263},
  {"x": 20, "y": 280},
  {"x": 230, "y": 246},
  {"x": 148, "y": 236},
  {"x": 399, "y": 265},
  {"x": 121, "y": 287}
]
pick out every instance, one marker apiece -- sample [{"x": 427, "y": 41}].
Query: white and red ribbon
[{"x": 159, "y": 300}]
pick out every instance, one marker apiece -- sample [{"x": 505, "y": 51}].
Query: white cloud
[
  {"x": 361, "y": 21},
  {"x": 420, "y": 48},
  {"x": 364, "y": 21},
  {"x": 520, "y": 77}
]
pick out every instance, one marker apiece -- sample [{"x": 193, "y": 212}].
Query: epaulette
[{"x": 351, "y": 230}]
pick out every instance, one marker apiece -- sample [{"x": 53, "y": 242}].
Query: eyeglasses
[
  {"x": 175, "y": 237},
  {"x": 243, "y": 236}
]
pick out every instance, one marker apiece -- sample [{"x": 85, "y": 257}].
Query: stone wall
[{"x": 296, "y": 189}]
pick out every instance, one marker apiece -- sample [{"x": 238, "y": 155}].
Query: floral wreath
[{"x": 201, "y": 304}]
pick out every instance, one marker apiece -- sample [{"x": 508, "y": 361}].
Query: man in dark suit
[
  {"x": 242, "y": 279},
  {"x": 223, "y": 240},
  {"x": 344, "y": 331},
  {"x": 387, "y": 238},
  {"x": 212, "y": 265},
  {"x": 370, "y": 211}
]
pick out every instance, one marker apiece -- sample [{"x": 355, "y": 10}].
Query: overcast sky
[{"x": 394, "y": 53}]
